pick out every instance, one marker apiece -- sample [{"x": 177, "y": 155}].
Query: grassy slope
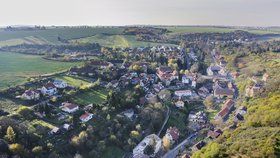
[
  {"x": 196, "y": 29},
  {"x": 116, "y": 41},
  {"x": 257, "y": 136},
  {"x": 51, "y": 34},
  {"x": 15, "y": 68}
]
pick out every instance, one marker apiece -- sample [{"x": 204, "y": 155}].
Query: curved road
[
  {"x": 174, "y": 152},
  {"x": 165, "y": 121}
]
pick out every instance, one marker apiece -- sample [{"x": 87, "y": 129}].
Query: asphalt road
[{"x": 174, "y": 152}]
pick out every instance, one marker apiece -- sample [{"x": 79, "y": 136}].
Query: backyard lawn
[
  {"x": 73, "y": 81},
  {"x": 92, "y": 96}
]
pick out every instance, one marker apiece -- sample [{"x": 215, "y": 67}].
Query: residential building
[
  {"x": 69, "y": 107},
  {"x": 180, "y": 104},
  {"x": 223, "y": 92},
  {"x": 198, "y": 145},
  {"x": 86, "y": 117},
  {"x": 166, "y": 74},
  {"x": 49, "y": 89},
  {"x": 183, "y": 93},
  {"x": 226, "y": 109},
  {"x": 60, "y": 84},
  {"x": 213, "y": 134},
  {"x": 31, "y": 95},
  {"x": 173, "y": 134},
  {"x": 151, "y": 140}
]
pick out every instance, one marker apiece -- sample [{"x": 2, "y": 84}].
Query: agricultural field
[
  {"x": 116, "y": 41},
  {"x": 51, "y": 34},
  {"x": 91, "y": 96},
  {"x": 17, "y": 68},
  {"x": 205, "y": 29}
]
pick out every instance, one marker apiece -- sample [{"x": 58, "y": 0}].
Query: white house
[
  {"x": 181, "y": 93},
  {"x": 49, "y": 89},
  {"x": 69, "y": 107},
  {"x": 86, "y": 117},
  {"x": 185, "y": 79},
  {"x": 60, "y": 84},
  {"x": 149, "y": 140},
  {"x": 179, "y": 104},
  {"x": 31, "y": 95},
  {"x": 172, "y": 133}
]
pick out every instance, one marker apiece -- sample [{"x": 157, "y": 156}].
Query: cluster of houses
[
  {"x": 196, "y": 120},
  {"x": 153, "y": 141},
  {"x": 257, "y": 87},
  {"x": 69, "y": 109},
  {"x": 48, "y": 89}
]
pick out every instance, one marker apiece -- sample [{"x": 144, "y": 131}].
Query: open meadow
[
  {"x": 17, "y": 68},
  {"x": 50, "y": 35}
]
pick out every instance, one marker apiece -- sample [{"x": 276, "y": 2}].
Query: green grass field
[
  {"x": 50, "y": 35},
  {"x": 116, "y": 41},
  {"x": 106, "y": 36},
  {"x": 16, "y": 68},
  {"x": 202, "y": 29},
  {"x": 92, "y": 96},
  {"x": 73, "y": 81}
]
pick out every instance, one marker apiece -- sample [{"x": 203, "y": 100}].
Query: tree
[
  {"x": 195, "y": 67},
  {"x": 134, "y": 134},
  {"x": 25, "y": 112},
  {"x": 164, "y": 95},
  {"x": 136, "y": 68},
  {"x": 37, "y": 150},
  {"x": 209, "y": 102},
  {"x": 10, "y": 134},
  {"x": 166, "y": 143},
  {"x": 4, "y": 147},
  {"x": 16, "y": 148}
]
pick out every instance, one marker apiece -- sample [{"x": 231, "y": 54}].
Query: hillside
[{"x": 259, "y": 134}]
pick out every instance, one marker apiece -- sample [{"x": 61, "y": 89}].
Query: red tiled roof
[
  {"x": 84, "y": 116},
  {"x": 49, "y": 85},
  {"x": 174, "y": 132},
  {"x": 69, "y": 105}
]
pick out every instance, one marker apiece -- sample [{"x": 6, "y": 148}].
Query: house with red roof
[
  {"x": 227, "y": 108},
  {"x": 49, "y": 89},
  {"x": 69, "y": 107},
  {"x": 214, "y": 133},
  {"x": 86, "y": 117},
  {"x": 173, "y": 134},
  {"x": 31, "y": 95},
  {"x": 166, "y": 74},
  {"x": 223, "y": 92}
]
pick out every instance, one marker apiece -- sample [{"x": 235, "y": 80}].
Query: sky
[{"x": 140, "y": 12}]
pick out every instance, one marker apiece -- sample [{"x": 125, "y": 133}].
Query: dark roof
[
  {"x": 174, "y": 132},
  {"x": 223, "y": 91},
  {"x": 49, "y": 85},
  {"x": 165, "y": 69},
  {"x": 200, "y": 145}
]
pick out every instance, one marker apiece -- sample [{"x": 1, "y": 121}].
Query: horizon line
[{"x": 161, "y": 25}]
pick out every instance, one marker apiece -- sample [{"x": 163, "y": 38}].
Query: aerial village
[{"x": 159, "y": 101}]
